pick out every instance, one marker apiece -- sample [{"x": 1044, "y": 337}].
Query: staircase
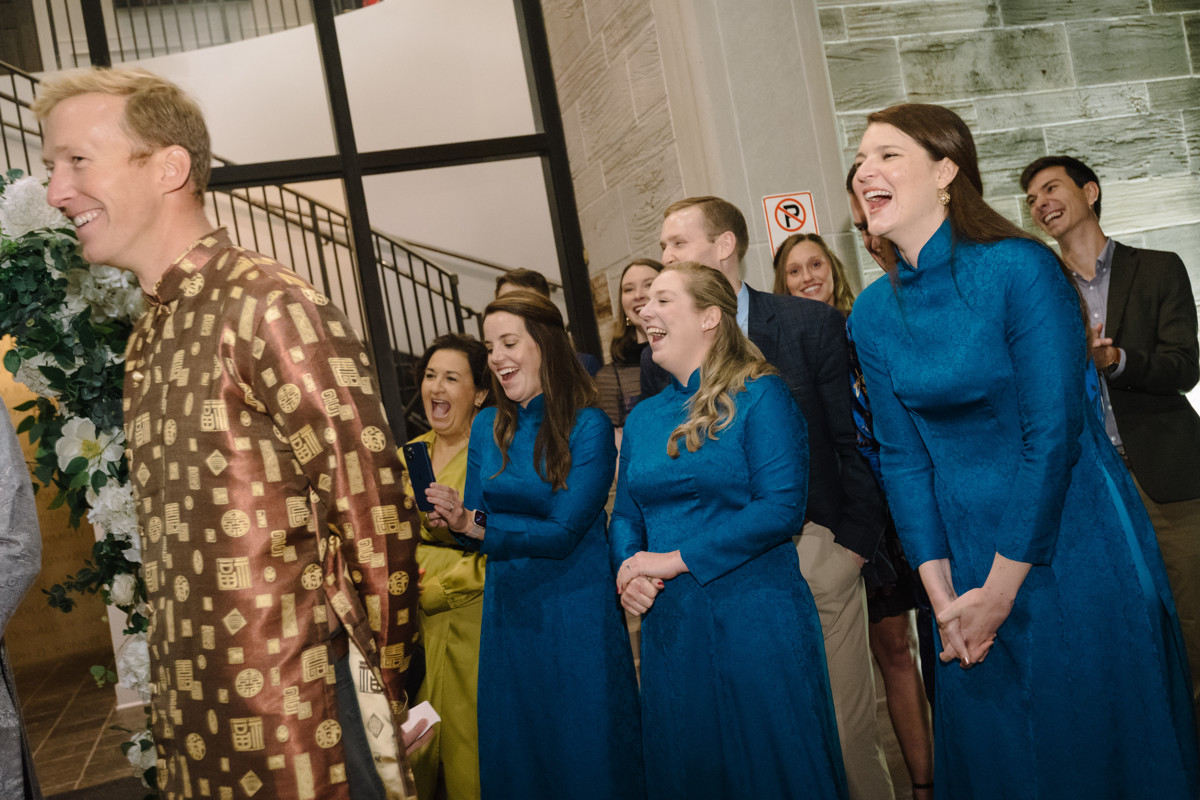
[{"x": 420, "y": 297}]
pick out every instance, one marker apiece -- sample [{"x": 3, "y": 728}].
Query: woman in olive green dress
[{"x": 454, "y": 385}]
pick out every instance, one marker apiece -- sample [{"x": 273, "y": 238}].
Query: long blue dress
[
  {"x": 558, "y": 715},
  {"x": 735, "y": 693},
  {"x": 975, "y": 366}
]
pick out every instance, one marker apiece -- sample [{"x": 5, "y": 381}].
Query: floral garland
[{"x": 70, "y": 321}]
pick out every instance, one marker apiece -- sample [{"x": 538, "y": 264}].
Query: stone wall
[
  {"x": 1115, "y": 83},
  {"x": 624, "y": 158}
]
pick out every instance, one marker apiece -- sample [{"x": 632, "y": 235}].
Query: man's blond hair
[{"x": 158, "y": 114}]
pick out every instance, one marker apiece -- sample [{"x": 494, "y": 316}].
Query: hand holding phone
[{"x": 420, "y": 472}]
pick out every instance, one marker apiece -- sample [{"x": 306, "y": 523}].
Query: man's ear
[
  {"x": 726, "y": 245},
  {"x": 175, "y": 168},
  {"x": 1091, "y": 190}
]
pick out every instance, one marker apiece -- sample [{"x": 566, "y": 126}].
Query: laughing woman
[
  {"x": 713, "y": 483},
  {"x": 454, "y": 385},
  {"x": 1037, "y": 555},
  {"x": 558, "y": 712}
]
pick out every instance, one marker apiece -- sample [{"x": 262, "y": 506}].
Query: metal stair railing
[{"x": 421, "y": 297}]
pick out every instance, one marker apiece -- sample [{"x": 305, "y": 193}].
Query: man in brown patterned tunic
[{"x": 269, "y": 492}]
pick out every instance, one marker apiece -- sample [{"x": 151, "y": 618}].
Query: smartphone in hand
[{"x": 420, "y": 472}]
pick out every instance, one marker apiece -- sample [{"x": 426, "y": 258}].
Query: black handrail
[{"x": 313, "y": 239}]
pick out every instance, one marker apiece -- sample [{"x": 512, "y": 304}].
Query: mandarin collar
[
  {"x": 199, "y": 253},
  {"x": 534, "y": 408},
  {"x": 934, "y": 252},
  {"x": 693, "y": 383}
]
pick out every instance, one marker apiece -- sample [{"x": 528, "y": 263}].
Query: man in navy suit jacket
[
  {"x": 1141, "y": 307},
  {"x": 806, "y": 341}
]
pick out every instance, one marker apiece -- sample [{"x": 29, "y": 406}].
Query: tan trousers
[
  {"x": 1177, "y": 527},
  {"x": 837, "y": 587}
]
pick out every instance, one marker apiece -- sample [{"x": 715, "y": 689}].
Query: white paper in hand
[{"x": 421, "y": 711}]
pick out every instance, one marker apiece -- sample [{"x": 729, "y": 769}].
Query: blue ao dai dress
[
  {"x": 975, "y": 367},
  {"x": 735, "y": 692},
  {"x": 558, "y": 715}
]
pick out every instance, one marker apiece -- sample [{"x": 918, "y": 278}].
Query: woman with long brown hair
[
  {"x": 557, "y": 695},
  {"x": 1037, "y": 555},
  {"x": 806, "y": 267},
  {"x": 713, "y": 484}
]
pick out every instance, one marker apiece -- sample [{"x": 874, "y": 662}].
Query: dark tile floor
[
  {"x": 70, "y": 721},
  {"x": 70, "y": 724}
]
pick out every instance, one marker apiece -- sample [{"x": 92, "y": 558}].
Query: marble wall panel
[
  {"x": 604, "y": 232},
  {"x": 1167, "y": 6},
  {"x": 865, "y": 74},
  {"x": 1003, "y": 155},
  {"x": 645, "y": 195},
  {"x": 921, "y": 17},
  {"x": 1135, "y": 48},
  {"x": 833, "y": 25},
  {"x": 1174, "y": 95},
  {"x": 1191, "y": 129},
  {"x": 619, "y": 32},
  {"x": 572, "y": 79},
  {"x": 606, "y": 111},
  {"x": 1047, "y": 108},
  {"x": 1125, "y": 148},
  {"x": 566, "y": 30},
  {"x": 646, "y": 72},
  {"x": 1032, "y": 12},
  {"x": 1181, "y": 239},
  {"x": 1191, "y": 28},
  {"x": 1157, "y": 203},
  {"x": 961, "y": 65}
]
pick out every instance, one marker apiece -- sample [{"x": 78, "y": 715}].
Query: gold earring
[{"x": 943, "y": 197}]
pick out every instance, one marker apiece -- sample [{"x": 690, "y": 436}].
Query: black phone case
[{"x": 420, "y": 472}]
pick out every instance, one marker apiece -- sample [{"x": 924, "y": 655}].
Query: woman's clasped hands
[{"x": 643, "y": 575}]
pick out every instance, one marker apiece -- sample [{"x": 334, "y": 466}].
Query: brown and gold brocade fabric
[{"x": 271, "y": 507}]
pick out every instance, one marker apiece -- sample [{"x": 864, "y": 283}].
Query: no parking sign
[{"x": 787, "y": 214}]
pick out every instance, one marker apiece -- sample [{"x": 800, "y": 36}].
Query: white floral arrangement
[{"x": 69, "y": 321}]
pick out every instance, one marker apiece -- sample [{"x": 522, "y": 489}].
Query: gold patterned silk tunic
[{"x": 271, "y": 506}]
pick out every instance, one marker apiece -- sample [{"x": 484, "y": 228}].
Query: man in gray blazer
[
  {"x": 806, "y": 341},
  {"x": 1142, "y": 311}
]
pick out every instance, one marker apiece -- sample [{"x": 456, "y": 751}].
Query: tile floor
[{"x": 69, "y": 721}]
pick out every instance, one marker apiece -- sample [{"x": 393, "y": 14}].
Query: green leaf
[
  {"x": 98, "y": 480},
  {"x": 80, "y": 480},
  {"x": 78, "y": 464},
  {"x": 12, "y": 361}
]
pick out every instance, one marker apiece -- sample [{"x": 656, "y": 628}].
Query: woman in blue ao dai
[
  {"x": 712, "y": 487},
  {"x": 1037, "y": 555},
  {"x": 557, "y": 698}
]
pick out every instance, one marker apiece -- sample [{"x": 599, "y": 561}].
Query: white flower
[
  {"x": 114, "y": 513},
  {"x": 112, "y": 293},
  {"x": 122, "y": 589},
  {"x": 32, "y": 377},
  {"x": 133, "y": 665},
  {"x": 79, "y": 438},
  {"x": 142, "y": 760},
  {"x": 23, "y": 208}
]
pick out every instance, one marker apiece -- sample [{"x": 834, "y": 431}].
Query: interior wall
[
  {"x": 1115, "y": 83},
  {"x": 672, "y": 98}
]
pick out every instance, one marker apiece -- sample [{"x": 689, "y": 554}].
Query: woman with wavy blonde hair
[{"x": 712, "y": 487}]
